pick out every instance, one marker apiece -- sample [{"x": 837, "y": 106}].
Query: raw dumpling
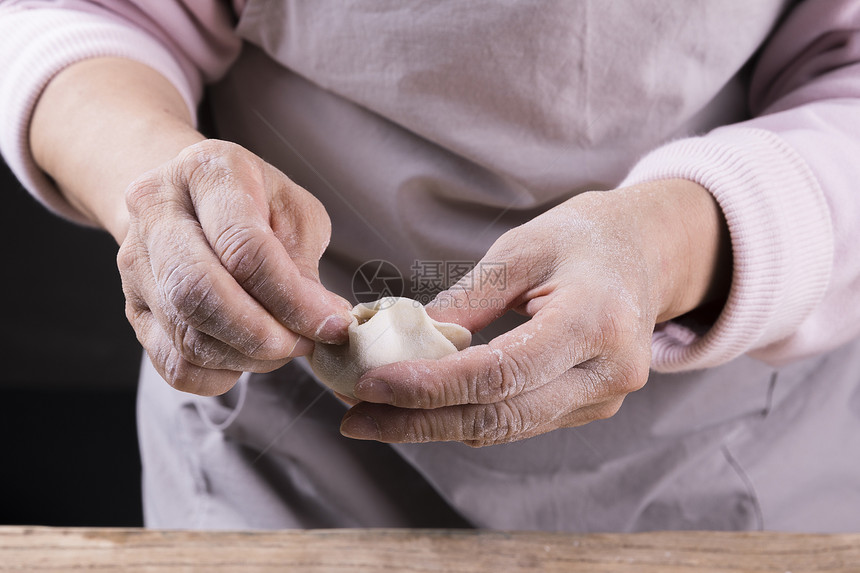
[{"x": 388, "y": 330}]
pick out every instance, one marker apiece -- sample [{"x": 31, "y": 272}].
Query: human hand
[
  {"x": 220, "y": 268},
  {"x": 595, "y": 275}
]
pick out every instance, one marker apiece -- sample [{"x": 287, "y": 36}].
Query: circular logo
[{"x": 376, "y": 279}]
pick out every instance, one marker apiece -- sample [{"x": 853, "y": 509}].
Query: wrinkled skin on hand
[
  {"x": 220, "y": 268},
  {"x": 595, "y": 275}
]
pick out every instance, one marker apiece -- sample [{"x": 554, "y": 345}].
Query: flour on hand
[{"x": 388, "y": 330}]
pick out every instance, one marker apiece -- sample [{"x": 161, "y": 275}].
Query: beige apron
[{"x": 427, "y": 130}]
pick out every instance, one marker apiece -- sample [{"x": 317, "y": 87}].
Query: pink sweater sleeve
[
  {"x": 787, "y": 182},
  {"x": 189, "y": 43}
]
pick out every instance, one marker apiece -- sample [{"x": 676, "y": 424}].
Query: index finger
[{"x": 231, "y": 204}]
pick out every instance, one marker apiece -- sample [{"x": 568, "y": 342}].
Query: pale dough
[{"x": 388, "y": 330}]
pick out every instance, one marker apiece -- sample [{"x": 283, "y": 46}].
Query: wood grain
[{"x": 374, "y": 550}]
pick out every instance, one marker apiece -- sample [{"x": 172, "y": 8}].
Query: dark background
[{"x": 68, "y": 454}]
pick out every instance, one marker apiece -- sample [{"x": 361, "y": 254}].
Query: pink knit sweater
[{"x": 786, "y": 178}]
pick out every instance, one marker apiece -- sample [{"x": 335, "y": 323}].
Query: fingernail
[
  {"x": 360, "y": 427},
  {"x": 302, "y": 347},
  {"x": 374, "y": 390},
  {"x": 333, "y": 328}
]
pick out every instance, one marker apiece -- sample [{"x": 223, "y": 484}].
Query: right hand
[{"x": 220, "y": 268}]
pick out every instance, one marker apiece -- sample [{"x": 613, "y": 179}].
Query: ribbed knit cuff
[
  {"x": 36, "y": 44},
  {"x": 781, "y": 235}
]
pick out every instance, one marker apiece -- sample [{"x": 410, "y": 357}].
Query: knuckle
[
  {"x": 190, "y": 293},
  {"x": 212, "y": 164},
  {"x": 594, "y": 385},
  {"x": 615, "y": 377},
  {"x": 632, "y": 373},
  {"x": 512, "y": 421},
  {"x": 610, "y": 384},
  {"x": 484, "y": 422},
  {"x": 421, "y": 427},
  {"x": 499, "y": 422},
  {"x": 125, "y": 258},
  {"x": 142, "y": 194},
  {"x": 192, "y": 345},
  {"x": 196, "y": 306},
  {"x": 129, "y": 253},
  {"x": 204, "y": 151},
  {"x": 505, "y": 378},
  {"x": 429, "y": 396},
  {"x": 205, "y": 148},
  {"x": 241, "y": 250}
]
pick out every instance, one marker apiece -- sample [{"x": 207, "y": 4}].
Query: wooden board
[{"x": 374, "y": 550}]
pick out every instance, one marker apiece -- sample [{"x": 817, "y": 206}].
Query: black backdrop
[{"x": 68, "y": 448}]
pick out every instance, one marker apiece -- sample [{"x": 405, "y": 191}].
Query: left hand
[{"x": 595, "y": 274}]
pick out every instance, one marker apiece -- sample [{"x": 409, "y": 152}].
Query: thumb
[{"x": 485, "y": 293}]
